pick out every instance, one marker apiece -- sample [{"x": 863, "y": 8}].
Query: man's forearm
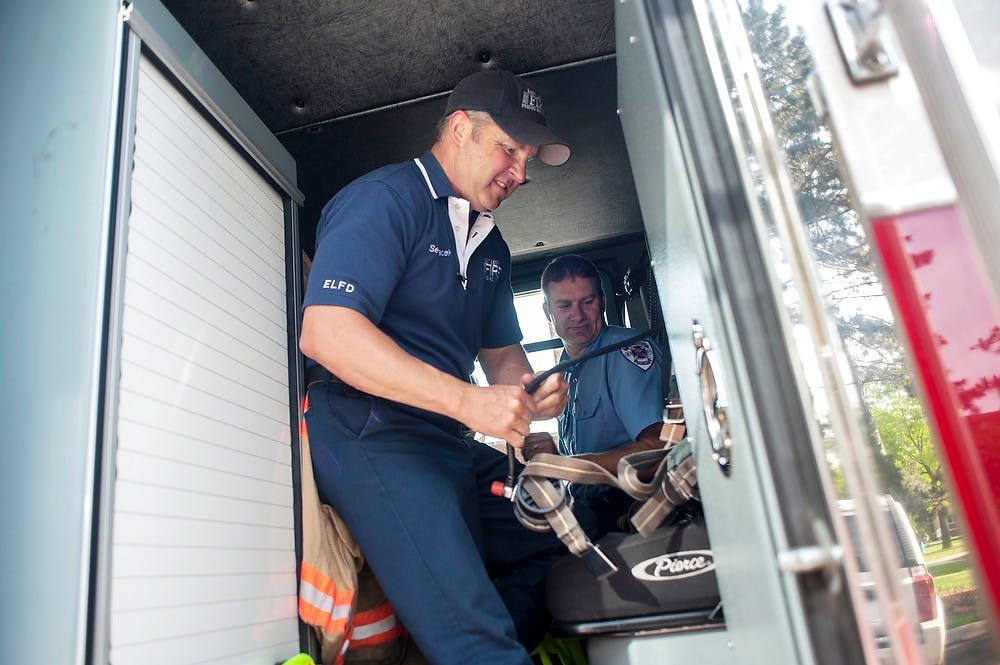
[
  {"x": 350, "y": 346},
  {"x": 509, "y": 366},
  {"x": 346, "y": 342},
  {"x": 648, "y": 439},
  {"x": 505, "y": 365}
]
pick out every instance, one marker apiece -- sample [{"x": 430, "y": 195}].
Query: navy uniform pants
[{"x": 463, "y": 575}]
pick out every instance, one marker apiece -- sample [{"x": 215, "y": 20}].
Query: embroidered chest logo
[
  {"x": 640, "y": 355},
  {"x": 531, "y": 100},
  {"x": 492, "y": 270}
]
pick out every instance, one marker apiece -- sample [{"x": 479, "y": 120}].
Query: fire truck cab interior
[
  {"x": 675, "y": 189},
  {"x": 346, "y": 90}
]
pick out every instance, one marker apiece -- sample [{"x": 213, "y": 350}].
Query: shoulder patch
[{"x": 639, "y": 354}]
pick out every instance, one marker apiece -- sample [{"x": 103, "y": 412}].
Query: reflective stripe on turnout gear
[
  {"x": 321, "y": 602},
  {"x": 375, "y": 626}
]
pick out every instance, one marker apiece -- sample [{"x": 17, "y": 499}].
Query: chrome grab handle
[{"x": 714, "y": 400}]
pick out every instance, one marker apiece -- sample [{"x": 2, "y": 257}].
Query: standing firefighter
[{"x": 410, "y": 282}]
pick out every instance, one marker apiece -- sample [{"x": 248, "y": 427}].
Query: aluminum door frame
[{"x": 713, "y": 266}]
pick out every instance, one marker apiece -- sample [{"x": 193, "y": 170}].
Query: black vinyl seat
[{"x": 665, "y": 583}]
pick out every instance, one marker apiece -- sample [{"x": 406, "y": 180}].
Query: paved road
[{"x": 970, "y": 645}]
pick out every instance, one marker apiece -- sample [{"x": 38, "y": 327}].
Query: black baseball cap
[{"x": 512, "y": 105}]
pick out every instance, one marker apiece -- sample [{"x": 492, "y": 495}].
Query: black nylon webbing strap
[{"x": 600, "y": 351}]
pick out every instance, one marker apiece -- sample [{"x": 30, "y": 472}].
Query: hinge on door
[
  {"x": 125, "y": 13},
  {"x": 862, "y": 36}
]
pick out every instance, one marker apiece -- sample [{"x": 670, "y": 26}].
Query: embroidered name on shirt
[
  {"x": 491, "y": 267},
  {"x": 338, "y": 285},
  {"x": 434, "y": 249}
]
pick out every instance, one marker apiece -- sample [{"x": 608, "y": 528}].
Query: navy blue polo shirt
[{"x": 390, "y": 246}]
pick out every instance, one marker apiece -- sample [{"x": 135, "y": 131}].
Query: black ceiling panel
[
  {"x": 351, "y": 85},
  {"x": 590, "y": 197},
  {"x": 297, "y": 62}
]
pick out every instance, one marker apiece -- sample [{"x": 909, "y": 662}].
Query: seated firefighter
[{"x": 615, "y": 405}]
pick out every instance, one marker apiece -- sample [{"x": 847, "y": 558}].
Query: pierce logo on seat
[{"x": 669, "y": 567}]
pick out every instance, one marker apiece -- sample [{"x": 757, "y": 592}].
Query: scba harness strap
[
  {"x": 541, "y": 493},
  {"x": 542, "y": 501}
]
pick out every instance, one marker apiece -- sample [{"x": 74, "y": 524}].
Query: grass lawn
[
  {"x": 933, "y": 551},
  {"x": 952, "y": 577},
  {"x": 954, "y": 582}
]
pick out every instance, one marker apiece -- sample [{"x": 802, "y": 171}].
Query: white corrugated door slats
[{"x": 203, "y": 559}]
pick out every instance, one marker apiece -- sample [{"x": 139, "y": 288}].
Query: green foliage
[
  {"x": 905, "y": 454},
  {"x": 910, "y": 448},
  {"x": 784, "y": 64},
  {"x": 953, "y": 574},
  {"x": 961, "y": 608}
]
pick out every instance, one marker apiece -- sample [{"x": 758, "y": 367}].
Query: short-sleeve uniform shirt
[
  {"x": 612, "y": 397},
  {"x": 395, "y": 245}
]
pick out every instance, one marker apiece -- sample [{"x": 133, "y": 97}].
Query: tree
[
  {"x": 910, "y": 447},
  {"x": 903, "y": 449},
  {"x": 837, "y": 236}
]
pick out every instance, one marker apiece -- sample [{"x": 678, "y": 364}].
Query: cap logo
[{"x": 532, "y": 101}]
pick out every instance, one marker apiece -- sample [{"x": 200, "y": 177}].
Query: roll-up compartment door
[{"x": 203, "y": 552}]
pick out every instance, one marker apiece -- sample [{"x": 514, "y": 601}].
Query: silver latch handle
[
  {"x": 810, "y": 558},
  {"x": 826, "y": 557}
]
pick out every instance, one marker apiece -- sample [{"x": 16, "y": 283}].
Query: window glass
[
  {"x": 536, "y": 328},
  {"x": 907, "y": 465}
]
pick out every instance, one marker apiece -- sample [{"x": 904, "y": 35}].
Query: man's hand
[
  {"x": 502, "y": 411},
  {"x": 538, "y": 442},
  {"x": 551, "y": 397}
]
